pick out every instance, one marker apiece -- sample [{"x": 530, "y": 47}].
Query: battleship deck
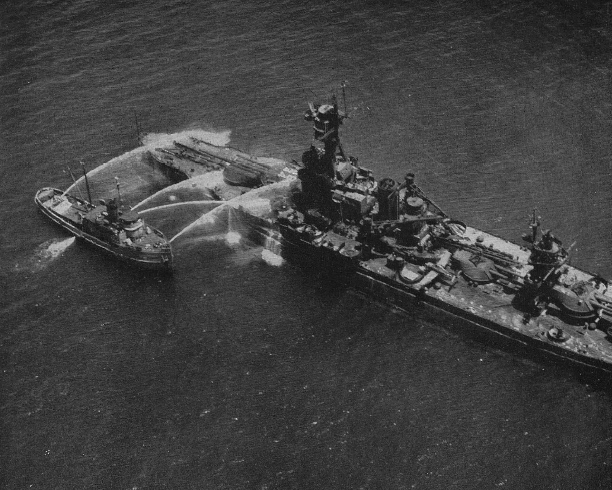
[
  {"x": 491, "y": 308},
  {"x": 488, "y": 306},
  {"x": 185, "y": 160}
]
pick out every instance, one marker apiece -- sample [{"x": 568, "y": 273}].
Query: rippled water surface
[{"x": 244, "y": 372}]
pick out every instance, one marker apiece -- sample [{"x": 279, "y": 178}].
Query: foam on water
[
  {"x": 53, "y": 248},
  {"x": 271, "y": 258},
  {"x": 46, "y": 253},
  {"x": 244, "y": 256}
]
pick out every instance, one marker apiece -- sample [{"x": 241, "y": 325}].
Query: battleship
[
  {"x": 392, "y": 242},
  {"x": 109, "y": 226}
]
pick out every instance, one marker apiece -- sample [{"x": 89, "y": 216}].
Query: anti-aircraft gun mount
[{"x": 551, "y": 283}]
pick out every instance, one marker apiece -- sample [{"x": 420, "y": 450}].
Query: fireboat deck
[{"x": 127, "y": 238}]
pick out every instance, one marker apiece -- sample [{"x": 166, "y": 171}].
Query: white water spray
[
  {"x": 206, "y": 219},
  {"x": 186, "y": 203},
  {"x": 233, "y": 238},
  {"x": 154, "y": 140},
  {"x": 205, "y": 182},
  {"x": 255, "y": 202},
  {"x": 120, "y": 159}
]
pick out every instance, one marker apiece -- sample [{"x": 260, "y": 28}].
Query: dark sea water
[{"x": 238, "y": 373}]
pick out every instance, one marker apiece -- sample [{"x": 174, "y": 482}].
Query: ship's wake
[{"x": 45, "y": 254}]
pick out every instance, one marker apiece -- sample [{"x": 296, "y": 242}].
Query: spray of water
[
  {"x": 177, "y": 204},
  {"x": 233, "y": 238},
  {"x": 117, "y": 161},
  {"x": 154, "y": 140},
  {"x": 255, "y": 202},
  {"x": 206, "y": 219},
  {"x": 205, "y": 183}
]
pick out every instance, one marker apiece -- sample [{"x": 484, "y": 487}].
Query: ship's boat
[
  {"x": 184, "y": 160},
  {"x": 390, "y": 240},
  {"x": 110, "y": 227}
]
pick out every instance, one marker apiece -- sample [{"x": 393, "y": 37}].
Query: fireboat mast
[{"x": 86, "y": 181}]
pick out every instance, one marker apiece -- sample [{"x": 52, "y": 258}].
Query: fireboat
[{"x": 109, "y": 226}]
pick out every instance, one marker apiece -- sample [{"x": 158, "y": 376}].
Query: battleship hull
[
  {"x": 186, "y": 160},
  {"x": 390, "y": 241},
  {"x": 159, "y": 259},
  {"x": 167, "y": 167},
  {"x": 588, "y": 349}
]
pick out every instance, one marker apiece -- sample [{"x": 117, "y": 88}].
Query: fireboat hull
[{"x": 157, "y": 259}]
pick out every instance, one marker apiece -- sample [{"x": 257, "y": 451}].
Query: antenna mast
[
  {"x": 534, "y": 224},
  {"x": 74, "y": 182},
  {"x": 86, "y": 181},
  {"x": 118, "y": 191},
  {"x": 337, "y": 121}
]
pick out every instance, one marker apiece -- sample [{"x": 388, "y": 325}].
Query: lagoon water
[{"x": 241, "y": 371}]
